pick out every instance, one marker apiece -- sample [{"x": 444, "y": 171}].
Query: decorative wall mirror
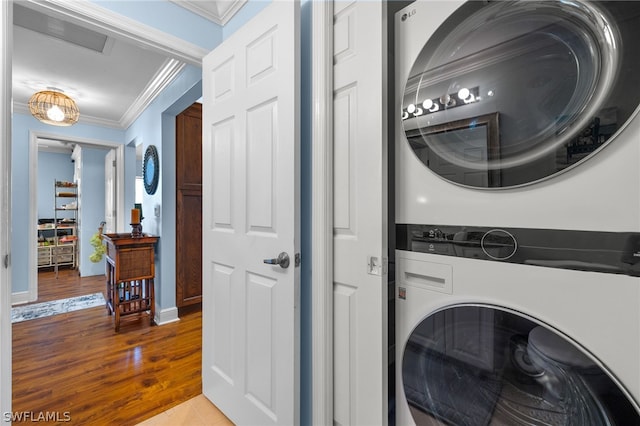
[
  {"x": 151, "y": 170},
  {"x": 465, "y": 151}
]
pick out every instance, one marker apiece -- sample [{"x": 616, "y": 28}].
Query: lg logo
[{"x": 408, "y": 15}]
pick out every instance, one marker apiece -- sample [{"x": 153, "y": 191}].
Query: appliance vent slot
[{"x": 59, "y": 29}]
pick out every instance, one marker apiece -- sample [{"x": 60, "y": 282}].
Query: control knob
[{"x": 498, "y": 244}]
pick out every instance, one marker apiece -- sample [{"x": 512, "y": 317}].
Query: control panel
[{"x": 608, "y": 252}]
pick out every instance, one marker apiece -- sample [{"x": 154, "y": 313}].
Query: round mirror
[{"x": 151, "y": 170}]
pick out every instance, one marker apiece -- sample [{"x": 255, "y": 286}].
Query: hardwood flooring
[{"x": 75, "y": 364}]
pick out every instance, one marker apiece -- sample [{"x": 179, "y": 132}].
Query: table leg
[{"x": 152, "y": 302}]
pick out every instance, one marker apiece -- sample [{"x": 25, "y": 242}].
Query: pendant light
[{"x": 53, "y": 107}]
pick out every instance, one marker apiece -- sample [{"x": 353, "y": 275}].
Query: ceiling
[{"x": 111, "y": 79}]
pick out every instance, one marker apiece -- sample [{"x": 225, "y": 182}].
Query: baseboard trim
[
  {"x": 166, "y": 316},
  {"x": 22, "y": 297}
]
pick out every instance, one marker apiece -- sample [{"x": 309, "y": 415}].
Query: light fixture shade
[{"x": 54, "y": 107}]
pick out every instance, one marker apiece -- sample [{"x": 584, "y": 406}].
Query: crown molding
[
  {"x": 165, "y": 75},
  {"x": 113, "y": 24},
  {"x": 169, "y": 71},
  {"x": 117, "y": 26},
  {"x": 218, "y": 12}
]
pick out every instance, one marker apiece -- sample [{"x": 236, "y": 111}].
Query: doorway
[
  {"x": 172, "y": 47},
  {"x": 84, "y": 233}
]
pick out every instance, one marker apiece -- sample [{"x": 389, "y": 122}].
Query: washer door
[
  {"x": 508, "y": 93},
  {"x": 477, "y": 365}
]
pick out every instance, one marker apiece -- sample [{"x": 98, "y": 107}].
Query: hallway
[{"x": 75, "y": 363}]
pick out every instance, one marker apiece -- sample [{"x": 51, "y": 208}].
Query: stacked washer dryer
[{"x": 518, "y": 213}]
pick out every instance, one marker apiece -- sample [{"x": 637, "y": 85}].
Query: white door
[
  {"x": 250, "y": 195},
  {"x": 110, "y": 191},
  {"x": 360, "y": 298}
]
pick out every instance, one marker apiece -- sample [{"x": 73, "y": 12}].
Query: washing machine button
[
  {"x": 631, "y": 253},
  {"x": 434, "y": 234},
  {"x": 498, "y": 244}
]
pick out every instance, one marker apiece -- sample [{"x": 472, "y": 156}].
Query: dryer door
[
  {"x": 477, "y": 365},
  {"x": 508, "y": 93}
]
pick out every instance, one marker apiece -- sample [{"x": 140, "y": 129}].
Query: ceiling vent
[{"x": 57, "y": 28}]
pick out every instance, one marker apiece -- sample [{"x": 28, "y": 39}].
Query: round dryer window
[
  {"x": 509, "y": 93},
  {"x": 479, "y": 365}
]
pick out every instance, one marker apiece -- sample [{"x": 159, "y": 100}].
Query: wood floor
[{"x": 76, "y": 365}]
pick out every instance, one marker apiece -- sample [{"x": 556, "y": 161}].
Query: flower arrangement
[{"x": 99, "y": 249}]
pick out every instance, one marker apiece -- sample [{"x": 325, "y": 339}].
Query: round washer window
[
  {"x": 508, "y": 93},
  {"x": 479, "y": 365}
]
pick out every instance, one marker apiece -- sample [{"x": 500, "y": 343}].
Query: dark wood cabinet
[{"x": 189, "y": 206}]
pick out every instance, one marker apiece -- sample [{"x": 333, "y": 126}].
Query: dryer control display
[{"x": 607, "y": 252}]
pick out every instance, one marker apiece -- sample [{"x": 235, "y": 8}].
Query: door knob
[{"x": 282, "y": 260}]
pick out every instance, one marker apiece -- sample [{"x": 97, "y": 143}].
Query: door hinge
[
  {"x": 377, "y": 266},
  {"x": 5, "y": 261}
]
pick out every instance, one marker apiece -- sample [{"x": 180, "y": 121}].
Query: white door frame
[
  {"x": 322, "y": 208},
  {"x": 6, "y": 52},
  {"x": 32, "y": 292},
  {"x": 323, "y": 211},
  {"x": 113, "y": 197}
]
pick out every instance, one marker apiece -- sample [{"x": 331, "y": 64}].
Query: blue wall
[
  {"x": 177, "y": 21},
  {"x": 170, "y": 18},
  {"x": 156, "y": 126},
  {"x": 52, "y": 166},
  {"x": 250, "y": 9}
]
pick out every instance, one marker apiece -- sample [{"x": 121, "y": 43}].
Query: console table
[{"x": 130, "y": 273}]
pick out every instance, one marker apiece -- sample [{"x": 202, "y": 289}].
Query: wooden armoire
[{"x": 189, "y": 207}]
